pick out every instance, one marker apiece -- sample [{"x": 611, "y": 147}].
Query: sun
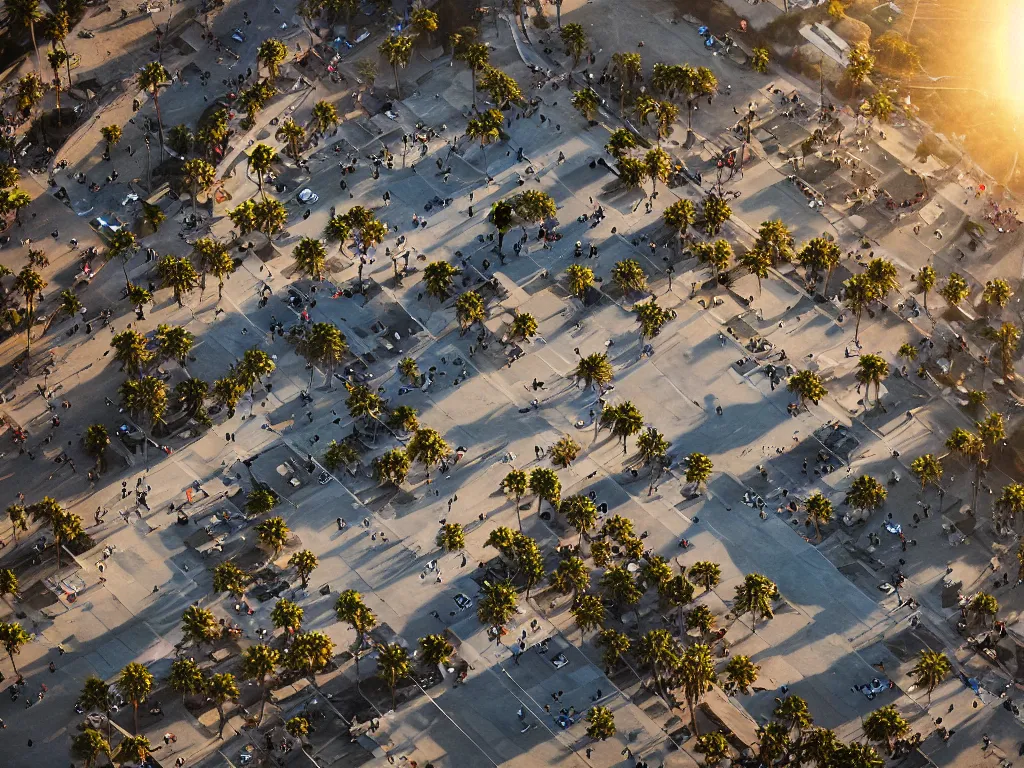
[{"x": 1008, "y": 55}]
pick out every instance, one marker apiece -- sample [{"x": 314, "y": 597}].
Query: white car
[{"x": 308, "y": 196}]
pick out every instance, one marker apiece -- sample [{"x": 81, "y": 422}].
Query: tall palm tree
[
  {"x": 660, "y": 652},
  {"x": 397, "y": 49},
  {"x": 200, "y": 176},
  {"x": 819, "y": 510},
  {"x": 271, "y": 54},
  {"x": 325, "y": 346},
  {"x": 885, "y": 725},
  {"x": 186, "y": 678},
  {"x": 292, "y": 134},
  {"x": 587, "y": 611},
  {"x": 95, "y": 695},
  {"x": 755, "y": 596},
  {"x": 324, "y": 117},
  {"x": 350, "y": 609},
  {"x": 135, "y": 683},
  {"x": 515, "y": 484},
  {"x": 178, "y": 274},
  {"x": 696, "y": 674},
  {"x": 133, "y": 749},
  {"x": 222, "y": 688},
  {"x": 56, "y": 57},
  {"x": 29, "y": 283},
  {"x": 393, "y": 665},
  {"x": 89, "y": 746},
  {"x": 152, "y": 78},
  {"x": 931, "y": 669},
  {"x": 25, "y": 13},
  {"x": 476, "y": 56},
  {"x": 871, "y": 369},
  {"x": 19, "y": 520},
  {"x": 261, "y": 159},
  {"x": 13, "y": 638}
]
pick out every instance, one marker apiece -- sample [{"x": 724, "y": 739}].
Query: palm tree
[
  {"x": 350, "y": 609},
  {"x": 580, "y": 279},
  {"x": 928, "y": 470},
  {"x": 25, "y": 13},
  {"x": 261, "y": 160},
  {"x": 56, "y": 57},
  {"x": 271, "y": 54},
  {"x": 715, "y": 212},
  {"x": 29, "y": 283},
  {"x": 13, "y": 637},
  {"x": 132, "y": 352},
  {"x": 1007, "y": 337},
  {"x": 485, "y": 128},
  {"x": 884, "y": 726},
  {"x": 571, "y": 576},
  {"x": 228, "y": 577},
  {"x": 820, "y": 254},
  {"x": 435, "y": 650},
  {"x": 260, "y": 501},
  {"x": 579, "y": 512},
  {"x": 1010, "y": 502},
  {"x": 615, "y": 644},
  {"x": 152, "y": 78},
  {"x": 286, "y": 615},
  {"x": 574, "y": 38},
  {"x": 258, "y": 664},
  {"x": 89, "y": 746},
  {"x": 926, "y": 280},
  {"x": 601, "y": 721},
  {"x": 393, "y": 665},
  {"x": 292, "y": 134},
  {"x": 324, "y": 117},
  {"x": 8, "y": 585},
  {"x": 522, "y": 327},
  {"x": 706, "y": 573},
  {"x": 564, "y": 452},
  {"x": 931, "y": 669},
  {"x": 427, "y": 447},
  {"x": 819, "y": 511},
  {"x": 619, "y": 143},
  {"x": 515, "y": 484},
  {"x": 956, "y": 290},
  {"x": 19, "y": 521},
  {"x": 392, "y": 466},
  {"x": 808, "y": 385},
  {"x": 469, "y": 309},
  {"x": 95, "y": 695},
  {"x": 397, "y": 49},
  {"x": 983, "y": 605},
  {"x": 174, "y": 343},
  {"x": 997, "y": 293},
  {"x": 755, "y": 596},
  {"x": 502, "y": 88},
  {"x": 651, "y": 318},
  {"x": 222, "y": 688},
  {"x": 133, "y": 749},
  {"x": 186, "y": 678},
  {"x": 546, "y": 485},
  {"x": 586, "y": 103},
  {"x": 310, "y": 652},
  {"x": 698, "y": 469},
  {"x": 135, "y": 683},
  {"x": 713, "y": 746},
  {"x": 452, "y": 537},
  {"x": 680, "y": 216},
  {"x": 742, "y": 673},
  {"x": 476, "y": 56},
  {"x": 594, "y": 371},
  {"x": 145, "y": 398},
  {"x": 304, "y": 562},
  {"x": 588, "y": 613},
  {"x": 866, "y": 493},
  {"x": 871, "y": 369},
  {"x": 340, "y": 455},
  {"x": 199, "y": 626},
  {"x": 273, "y": 534},
  {"x": 409, "y": 370},
  {"x": 625, "y": 420},
  {"x": 438, "y": 277},
  {"x": 971, "y": 449},
  {"x": 200, "y": 176},
  {"x": 178, "y": 274},
  {"x": 621, "y": 588},
  {"x": 497, "y": 606},
  {"x": 696, "y": 675}
]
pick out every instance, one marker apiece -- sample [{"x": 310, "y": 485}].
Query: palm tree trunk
[
  {"x": 67, "y": 60},
  {"x": 856, "y": 332},
  {"x": 32, "y": 32},
  {"x": 398, "y": 87},
  {"x": 159, "y": 121},
  {"x": 56, "y": 83},
  {"x": 472, "y": 72},
  {"x": 13, "y": 665},
  {"x": 135, "y": 706},
  {"x": 828, "y": 276},
  {"x": 519, "y": 517},
  {"x": 28, "y": 328}
]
